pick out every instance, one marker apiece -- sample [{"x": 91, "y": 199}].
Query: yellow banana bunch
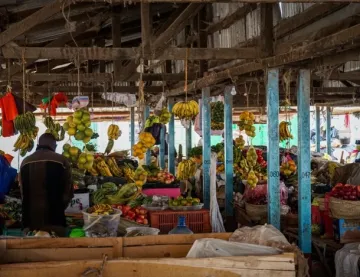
[
  {"x": 114, "y": 168},
  {"x": 93, "y": 171},
  {"x": 186, "y": 110},
  {"x": 186, "y": 169},
  {"x": 284, "y": 131},
  {"x": 129, "y": 173},
  {"x": 114, "y": 132},
  {"x": 102, "y": 167}
]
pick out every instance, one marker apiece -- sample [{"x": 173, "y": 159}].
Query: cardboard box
[
  {"x": 79, "y": 203},
  {"x": 344, "y": 227}
]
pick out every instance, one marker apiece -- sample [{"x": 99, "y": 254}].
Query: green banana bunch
[
  {"x": 54, "y": 128},
  {"x": 151, "y": 120},
  {"x": 26, "y": 125}
]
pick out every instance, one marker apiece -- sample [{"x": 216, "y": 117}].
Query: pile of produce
[
  {"x": 78, "y": 125},
  {"x": 137, "y": 214},
  {"x": 101, "y": 167},
  {"x": 99, "y": 196},
  {"x": 251, "y": 157},
  {"x": 187, "y": 110},
  {"x": 129, "y": 172},
  {"x": 78, "y": 178},
  {"x": 140, "y": 176},
  {"x": 71, "y": 152},
  {"x": 186, "y": 169},
  {"x": 260, "y": 158},
  {"x": 54, "y": 128},
  {"x": 100, "y": 209},
  {"x": 85, "y": 161},
  {"x": 111, "y": 194},
  {"x": 114, "y": 168},
  {"x": 284, "y": 131},
  {"x": 288, "y": 167},
  {"x": 26, "y": 125},
  {"x": 240, "y": 142},
  {"x": 184, "y": 202},
  {"x": 164, "y": 116},
  {"x": 217, "y": 115},
  {"x": 146, "y": 141},
  {"x": 156, "y": 202},
  {"x": 114, "y": 133},
  {"x": 195, "y": 152},
  {"x": 346, "y": 192},
  {"x": 247, "y": 123}
]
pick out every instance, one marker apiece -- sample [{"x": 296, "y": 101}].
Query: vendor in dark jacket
[{"x": 46, "y": 188}]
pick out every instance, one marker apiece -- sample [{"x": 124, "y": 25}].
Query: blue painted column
[
  {"x": 188, "y": 140},
  {"x": 228, "y": 147},
  {"x": 317, "y": 128},
  {"x": 206, "y": 135},
  {"x": 132, "y": 128},
  {"x": 148, "y": 153},
  {"x": 328, "y": 130},
  {"x": 171, "y": 142},
  {"x": 162, "y": 148},
  {"x": 304, "y": 160},
  {"x": 273, "y": 161}
]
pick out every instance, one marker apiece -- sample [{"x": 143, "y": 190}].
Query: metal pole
[
  {"x": 328, "y": 130},
  {"x": 304, "y": 160},
  {"x": 132, "y": 129},
  {"x": 228, "y": 147},
  {"x": 206, "y": 135},
  {"x": 171, "y": 142},
  {"x": 148, "y": 152},
  {"x": 317, "y": 128},
  {"x": 273, "y": 156},
  {"x": 188, "y": 140},
  {"x": 162, "y": 148}
]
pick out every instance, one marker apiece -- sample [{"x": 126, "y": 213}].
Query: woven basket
[
  {"x": 256, "y": 212},
  {"x": 125, "y": 223},
  {"x": 344, "y": 209}
]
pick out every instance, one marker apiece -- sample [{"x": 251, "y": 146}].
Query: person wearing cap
[{"x": 46, "y": 188}]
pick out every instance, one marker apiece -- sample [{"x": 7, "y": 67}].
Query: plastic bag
[
  {"x": 101, "y": 225},
  {"x": 346, "y": 260},
  {"x": 207, "y": 248}
]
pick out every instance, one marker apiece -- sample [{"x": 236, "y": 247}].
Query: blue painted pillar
[
  {"x": 188, "y": 140},
  {"x": 317, "y": 128},
  {"x": 304, "y": 160},
  {"x": 148, "y": 153},
  {"x": 206, "y": 135},
  {"x": 171, "y": 142},
  {"x": 228, "y": 147},
  {"x": 328, "y": 130},
  {"x": 132, "y": 128},
  {"x": 162, "y": 148},
  {"x": 273, "y": 161}
]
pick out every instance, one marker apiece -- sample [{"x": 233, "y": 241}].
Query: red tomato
[{"x": 146, "y": 222}]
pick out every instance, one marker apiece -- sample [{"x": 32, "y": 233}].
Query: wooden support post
[
  {"x": 304, "y": 160},
  {"x": 266, "y": 30},
  {"x": 229, "y": 171},
  {"x": 317, "y": 128},
  {"x": 148, "y": 152},
  {"x": 162, "y": 148},
  {"x": 116, "y": 37},
  {"x": 188, "y": 140},
  {"x": 206, "y": 136},
  {"x": 273, "y": 166},
  {"x": 171, "y": 141},
  {"x": 146, "y": 26},
  {"x": 132, "y": 129},
  {"x": 328, "y": 130}
]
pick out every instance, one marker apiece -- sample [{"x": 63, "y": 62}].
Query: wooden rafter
[{"x": 223, "y": 1}]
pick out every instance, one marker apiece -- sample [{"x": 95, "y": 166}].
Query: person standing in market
[{"x": 46, "y": 188}]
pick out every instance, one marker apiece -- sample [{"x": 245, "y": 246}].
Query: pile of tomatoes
[{"x": 137, "y": 214}]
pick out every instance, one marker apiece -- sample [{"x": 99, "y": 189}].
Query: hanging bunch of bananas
[
  {"x": 151, "y": 120},
  {"x": 284, "y": 131},
  {"x": 252, "y": 179},
  {"x": 247, "y": 123},
  {"x": 25, "y": 124},
  {"x": 114, "y": 168},
  {"x": 164, "y": 116},
  {"x": 114, "y": 133},
  {"x": 54, "y": 128},
  {"x": 240, "y": 142},
  {"x": 102, "y": 167},
  {"x": 251, "y": 157},
  {"x": 186, "y": 169},
  {"x": 186, "y": 110}
]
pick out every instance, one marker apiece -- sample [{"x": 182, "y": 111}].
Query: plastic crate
[{"x": 165, "y": 221}]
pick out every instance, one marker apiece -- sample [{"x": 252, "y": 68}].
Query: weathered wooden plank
[
  {"x": 266, "y": 30},
  {"x": 146, "y": 26},
  {"x": 29, "y": 22},
  {"x": 225, "y": 1},
  {"x": 229, "y": 20},
  {"x": 116, "y": 36},
  {"x": 97, "y": 53}
]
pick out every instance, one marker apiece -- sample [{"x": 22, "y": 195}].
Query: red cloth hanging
[
  {"x": 347, "y": 121},
  {"x": 8, "y": 129},
  {"x": 9, "y": 107},
  {"x": 55, "y": 101}
]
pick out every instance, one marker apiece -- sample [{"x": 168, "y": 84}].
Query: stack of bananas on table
[
  {"x": 114, "y": 133},
  {"x": 284, "y": 131},
  {"x": 25, "y": 124},
  {"x": 114, "y": 168},
  {"x": 186, "y": 169},
  {"x": 129, "y": 173},
  {"x": 54, "y": 128},
  {"x": 164, "y": 116},
  {"x": 186, "y": 110},
  {"x": 102, "y": 168}
]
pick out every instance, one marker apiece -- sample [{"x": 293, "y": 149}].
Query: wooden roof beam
[{"x": 222, "y": 1}]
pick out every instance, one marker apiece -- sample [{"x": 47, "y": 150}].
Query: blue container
[{"x": 181, "y": 227}]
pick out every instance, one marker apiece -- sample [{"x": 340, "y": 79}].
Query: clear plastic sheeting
[
  {"x": 346, "y": 260},
  {"x": 209, "y": 248}
]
